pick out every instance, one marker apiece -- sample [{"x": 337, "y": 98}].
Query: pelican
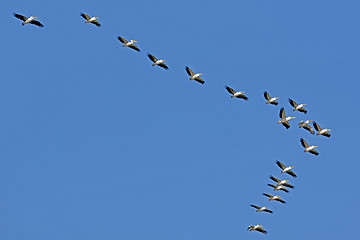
[
  {"x": 321, "y": 131},
  {"x": 308, "y": 148},
  {"x": 297, "y": 107},
  {"x": 275, "y": 198},
  {"x": 281, "y": 182},
  {"x": 284, "y": 120},
  {"x": 194, "y": 76},
  {"x": 261, "y": 209},
  {"x": 128, "y": 44},
  {"x": 28, "y": 20},
  {"x": 304, "y": 124},
  {"x": 155, "y": 61},
  {"x": 286, "y": 169},
  {"x": 235, "y": 93},
  {"x": 91, "y": 19},
  {"x": 271, "y": 100},
  {"x": 257, "y": 228},
  {"x": 277, "y": 187}
]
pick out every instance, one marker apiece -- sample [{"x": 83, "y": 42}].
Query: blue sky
[{"x": 97, "y": 144}]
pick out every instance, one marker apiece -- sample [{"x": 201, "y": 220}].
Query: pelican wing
[
  {"x": 281, "y": 165},
  {"x": 309, "y": 128},
  {"x": 200, "y": 80},
  {"x": 123, "y": 40},
  {"x": 189, "y": 71},
  {"x": 261, "y": 230},
  {"x": 286, "y": 124},
  {"x": 303, "y": 110},
  {"x": 326, "y": 134},
  {"x": 304, "y": 143},
  {"x": 37, "y": 23},
  {"x": 96, "y": 23},
  {"x": 291, "y": 173},
  {"x": 242, "y": 96},
  {"x": 293, "y": 103},
  {"x": 85, "y": 16},
  {"x": 274, "y": 102},
  {"x": 314, "y": 152},
  {"x": 275, "y": 179},
  {"x": 254, "y": 206},
  {"x": 132, "y": 46},
  {"x": 284, "y": 189},
  {"x": 21, "y": 17},
  {"x": 163, "y": 65},
  {"x": 152, "y": 58},
  {"x": 282, "y": 113},
  {"x": 267, "y": 96},
  {"x": 272, "y": 185},
  {"x": 279, "y": 200},
  {"x": 230, "y": 90},
  {"x": 288, "y": 185},
  {"x": 317, "y": 127},
  {"x": 268, "y": 210},
  {"x": 267, "y": 195}
]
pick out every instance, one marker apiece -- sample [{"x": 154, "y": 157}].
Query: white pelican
[
  {"x": 261, "y": 209},
  {"x": 321, "y": 131},
  {"x": 155, "y": 61},
  {"x": 130, "y": 44},
  {"x": 304, "y": 124},
  {"x": 91, "y": 19},
  {"x": 297, "y": 107},
  {"x": 281, "y": 182},
  {"x": 257, "y": 228},
  {"x": 275, "y": 198},
  {"x": 278, "y": 187},
  {"x": 286, "y": 169},
  {"x": 284, "y": 120},
  {"x": 28, "y": 20},
  {"x": 308, "y": 148},
  {"x": 235, "y": 93},
  {"x": 194, "y": 76},
  {"x": 271, "y": 100}
]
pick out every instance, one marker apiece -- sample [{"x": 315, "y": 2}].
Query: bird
[
  {"x": 284, "y": 120},
  {"x": 278, "y": 187},
  {"x": 275, "y": 198},
  {"x": 155, "y": 61},
  {"x": 271, "y": 100},
  {"x": 235, "y": 93},
  {"x": 308, "y": 148},
  {"x": 297, "y": 107},
  {"x": 194, "y": 76},
  {"x": 281, "y": 182},
  {"x": 286, "y": 169},
  {"x": 257, "y": 228},
  {"x": 321, "y": 131},
  {"x": 304, "y": 124},
  {"x": 130, "y": 44},
  {"x": 91, "y": 19},
  {"x": 261, "y": 209},
  {"x": 27, "y": 20}
]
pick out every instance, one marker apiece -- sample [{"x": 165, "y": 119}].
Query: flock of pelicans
[{"x": 280, "y": 185}]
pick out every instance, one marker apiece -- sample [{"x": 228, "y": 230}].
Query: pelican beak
[
  {"x": 134, "y": 41},
  {"x": 315, "y": 146},
  {"x": 328, "y": 129},
  {"x": 293, "y": 117},
  {"x": 201, "y": 74},
  {"x": 242, "y": 92},
  {"x": 164, "y": 60},
  {"x": 304, "y": 104},
  {"x": 35, "y": 17},
  {"x": 277, "y": 98},
  {"x": 96, "y": 17},
  {"x": 311, "y": 120}
]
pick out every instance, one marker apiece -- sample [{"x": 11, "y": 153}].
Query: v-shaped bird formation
[{"x": 279, "y": 184}]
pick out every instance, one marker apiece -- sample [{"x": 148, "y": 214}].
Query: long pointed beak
[{"x": 329, "y": 129}]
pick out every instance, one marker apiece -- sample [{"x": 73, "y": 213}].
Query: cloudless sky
[{"x": 95, "y": 143}]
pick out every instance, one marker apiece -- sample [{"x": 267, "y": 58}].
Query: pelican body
[
  {"x": 92, "y": 20},
  {"x": 270, "y": 100},
  {"x": 257, "y": 228},
  {"x": 130, "y": 44},
  {"x": 194, "y": 76},
  {"x": 235, "y": 93},
  {"x": 274, "y": 198},
  {"x": 308, "y": 148},
  {"x": 284, "y": 120},
  {"x": 297, "y": 107},
  {"x": 159, "y": 62},
  {"x": 261, "y": 209},
  {"x": 321, "y": 131},
  {"x": 27, "y": 20},
  {"x": 286, "y": 169}
]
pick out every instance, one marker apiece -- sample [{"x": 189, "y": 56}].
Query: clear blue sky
[{"x": 97, "y": 144}]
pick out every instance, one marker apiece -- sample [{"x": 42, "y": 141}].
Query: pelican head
[{"x": 279, "y": 122}]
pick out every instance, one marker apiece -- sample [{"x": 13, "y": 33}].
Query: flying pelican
[
  {"x": 128, "y": 44},
  {"x": 275, "y": 198},
  {"x": 257, "y": 228},
  {"x": 297, "y": 107},
  {"x": 281, "y": 182},
  {"x": 308, "y": 148},
  {"x": 321, "y": 131},
  {"x": 235, "y": 93},
  {"x": 271, "y": 100},
  {"x": 91, "y": 19},
  {"x": 155, "y": 61},
  {"x": 28, "y": 20},
  {"x": 261, "y": 209},
  {"x": 194, "y": 76},
  {"x": 277, "y": 187},
  {"x": 286, "y": 169},
  {"x": 284, "y": 120},
  {"x": 304, "y": 124}
]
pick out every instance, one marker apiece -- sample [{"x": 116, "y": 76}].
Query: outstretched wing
[
  {"x": 96, "y": 23},
  {"x": 230, "y": 90},
  {"x": 303, "y": 110},
  {"x": 199, "y": 80},
  {"x": 282, "y": 113},
  {"x": 134, "y": 47},
  {"x": 123, "y": 40},
  {"x": 275, "y": 179},
  {"x": 242, "y": 96},
  {"x": 163, "y": 65},
  {"x": 304, "y": 143},
  {"x": 21, "y": 17},
  {"x": 152, "y": 57},
  {"x": 309, "y": 128},
  {"x": 267, "y": 96},
  {"x": 288, "y": 185},
  {"x": 314, "y": 152},
  {"x": 293, "y": 103},
  {"x": 85, "y": 16},
  {"x": 286, "y": 124},
  {"x": 37, "y": 23},
  {"x": 317, "y": 127},
  {"x": 280, "y": 200},
  {"x": 267, "y": 195},
  {"x": 291, "y": 173},
  {"x": 189, "y": 71},
  {"x": 254, "y": 206},
  {"x": 261, "y": 230},
  {"x": 281, "y": 165}
]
